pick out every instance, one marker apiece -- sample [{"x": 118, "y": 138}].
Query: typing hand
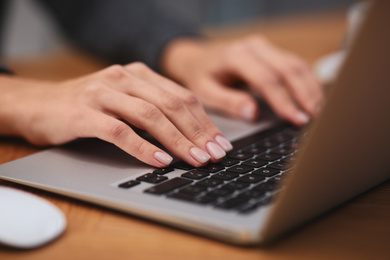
[
  {"x": 283, "y": 80},
  {"x": 105, "y": 105}
]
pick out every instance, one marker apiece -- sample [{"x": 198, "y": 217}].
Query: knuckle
[
  {"x": 114, "y": 72},
  {"x": 138, "y": 67},
  {"x": 151, "y": 112},
  {"x": 287, "y": 70},
  {"x": 142, "y": 148},
  {"x": 94, "y": 89},
  {"x": 210, "y": 126},
  {"x": 199, "y": 134},
  {"x": 117, "y": 131},
  {"x": 297, "y": 65},
  {"x": 190, "y": 99},
  {"x": 173, "y": 103},
  {"x": 180, "y": 141}
]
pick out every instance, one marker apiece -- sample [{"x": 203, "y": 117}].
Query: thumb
[{"x": 227, "y": 100}]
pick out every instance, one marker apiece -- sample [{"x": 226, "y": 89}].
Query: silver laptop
[{"x": 278, "y": 177}]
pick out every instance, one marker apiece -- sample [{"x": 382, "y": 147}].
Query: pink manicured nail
[
  {"x": 224, "y": 143},
  {"x": 163, "y": 158},
  {"x": 215, "y": 150},
  {"x": 199, "y": 155},
  {"x": 302, "y": 117}
]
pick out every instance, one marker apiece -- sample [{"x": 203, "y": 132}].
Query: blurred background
[{"x": 30, "y": 32}]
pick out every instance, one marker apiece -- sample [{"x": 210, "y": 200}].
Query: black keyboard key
[
  {"x": 252, "y": 194},
  {"x": 279, "y": 165},
  {"x": 209, "y": 182},
  {"x": 183, "y": 166},
  {"x": 269, "y": 157},
  {"x": 288, "y": 145},
  {"x": 281, "y": 137},
  {"x": 228, "y": 162},
  {"x": 193, "y": 189},
  {"x": 282, "y": 151},
  {"x": 266, "y": 172},
  {"x": 128, "y": 184},
  {"x": 255, "y": 162},
  {"x": 273, "y": 183},
  {"x": 162, "y": 171},
  {"x": 151, "y": 178},
  {"x": 267, "y": 143},
  {"x": 195, "y": 174},
  {"x": 254, "y": 150},
  {"x": 251, "y": 178},
  {"x": 225, "y": 176},
  {"x": 156, "y": 179},
  {"x": 239, "y": 156},
  {"x": 292, "y": 132},
  {"x": 218, "y": 193},
  {"x": 240, "y": 169},
  {"x": 232, "y": 203},
  {"x": 262, "y": 187},
  {"x": 168, "y": 185},
  {"x": 289, "y": 159},
  {"x": 253, "y": 139},
  {"x": 212, "y": 168},
  {"x": 146, "y": 177},
  {"x": 196, "y": 199},
  {"x": 235, "y": 185}
]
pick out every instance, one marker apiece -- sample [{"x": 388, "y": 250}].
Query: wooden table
[{"x": 359, "y": 229}]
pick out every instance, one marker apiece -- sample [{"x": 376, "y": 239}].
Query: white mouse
[{"x": 26, "y": 220}]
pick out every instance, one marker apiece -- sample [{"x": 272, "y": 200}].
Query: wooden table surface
[{"x": 359, "y": 229}]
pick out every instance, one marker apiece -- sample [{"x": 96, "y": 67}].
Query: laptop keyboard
[{"x": 246, "y": 179}]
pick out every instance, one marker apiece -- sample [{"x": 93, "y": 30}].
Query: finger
[
  {"x": 265, "y": 82},
  {"x": 182, "y": 108},
  {"x": 292, "y": 70},
  {"x": 195, "y": 107},
  {"x": 148, "y": 117},
  {"x": 227, "y": 100},
  {"x": 190, "y": 101},
  {"x": 118, "y": 133},
  {"x": 318, "y": 95}
]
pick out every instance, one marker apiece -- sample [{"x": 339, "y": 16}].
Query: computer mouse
[{"x": 28, "y": 221}]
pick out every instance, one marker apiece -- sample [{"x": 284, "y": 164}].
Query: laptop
[{"x": 277, "y": 178}]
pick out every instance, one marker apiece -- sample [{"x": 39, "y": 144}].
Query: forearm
[{"x": 8, "y": 111}]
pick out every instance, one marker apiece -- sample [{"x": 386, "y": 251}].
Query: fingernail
[
  {"x": 199, "y": 155},
  {"x": 248, "y": 112},
  {"x": 224, "y": 143},
  {"x": 163, "y": 158},
  {"x": 303, "y": 118},
  {"x": 215, "y": 150}
]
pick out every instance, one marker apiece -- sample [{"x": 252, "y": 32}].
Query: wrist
[{"x": 14, "y": 108}]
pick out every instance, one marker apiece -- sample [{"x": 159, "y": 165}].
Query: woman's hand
[
  {"x": 280, "y": 78},
  {"x": 106, "y": 105}
]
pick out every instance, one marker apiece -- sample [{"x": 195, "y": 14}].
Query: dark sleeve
[
  {"x": 5, "y": 70},
  {"x": 119, "y": 31}
]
